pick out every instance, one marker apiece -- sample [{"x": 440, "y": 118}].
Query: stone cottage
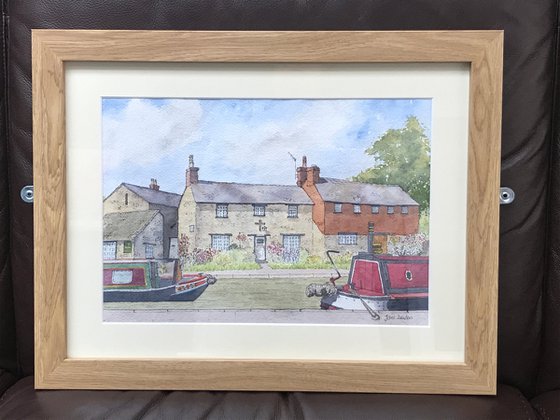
[
  {"x": 133, "y": 235},
  {"x": 223, "y": 215},
  {"x": 133, "y": 198}
]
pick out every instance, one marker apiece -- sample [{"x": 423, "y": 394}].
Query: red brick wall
[
  {"x": 331, "y": 223},
  {"x": 318, "y": 205},
  {"x": 348, "y": 221}
]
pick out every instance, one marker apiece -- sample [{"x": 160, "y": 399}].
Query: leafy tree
[{"x": 402, "y": 157}]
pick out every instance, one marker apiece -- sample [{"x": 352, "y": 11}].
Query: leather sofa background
[{"x": 529, "y": 296}]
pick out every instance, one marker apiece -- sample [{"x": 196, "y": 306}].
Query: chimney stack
[
  {"x": 301, "y": 172},
  {"x": 153, "y": 184},
  {"x": 191, "y": 174},
  {"x": 313, "y": 175}
]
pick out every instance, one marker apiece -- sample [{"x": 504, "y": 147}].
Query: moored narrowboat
[
  {"x": 151, "y": 281},
  {"x": 378, "y": 282}
]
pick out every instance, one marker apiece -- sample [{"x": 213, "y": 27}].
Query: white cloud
[
  {"x": 257, "y": 150},
  {"x": 143, "y": 133}
]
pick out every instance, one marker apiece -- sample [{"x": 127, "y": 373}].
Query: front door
[{"x": 260, "y": 248}]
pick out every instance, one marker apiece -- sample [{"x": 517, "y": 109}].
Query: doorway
[{"x": 260, "y": 248}]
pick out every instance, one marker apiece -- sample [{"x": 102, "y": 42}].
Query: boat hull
[
  {"x": 143, "y": 295},
  {"x": 348, "y": 301},
  {"x": 188, "y": 295}
]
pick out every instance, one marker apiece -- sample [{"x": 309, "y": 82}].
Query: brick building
[{"x": 356, "y": 216}]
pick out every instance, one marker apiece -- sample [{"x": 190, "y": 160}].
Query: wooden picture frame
[{"x": 482, "y": 50}]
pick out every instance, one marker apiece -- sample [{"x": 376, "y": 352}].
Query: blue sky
[{"x": 244, "y": 140}]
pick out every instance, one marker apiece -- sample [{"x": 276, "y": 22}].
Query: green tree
[{"x": 402, "y": 157}]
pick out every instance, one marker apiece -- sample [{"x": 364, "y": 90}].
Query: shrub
[{"x": 417, "y": 244}]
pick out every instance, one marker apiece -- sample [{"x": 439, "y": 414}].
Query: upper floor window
[
  {"x": 404, "y": 209},
  {"x": 338, "y": 207},
  {"x": 126, "y": 199},
  {"x": 357, "y": 208},
  {"x": 259, "y": 210},
  {"x": 127, "y": 247},
  {"x": 374, "y": 209},
  {"x": 390, "y": 210},
  {"x": 292, "y": 211},
  {"x": 221, "y": 210}
]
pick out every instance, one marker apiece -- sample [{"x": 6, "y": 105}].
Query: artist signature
[{"x": 392, "y": 317}]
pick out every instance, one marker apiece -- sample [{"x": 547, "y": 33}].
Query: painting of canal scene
[{"x": 299, "y": 211}]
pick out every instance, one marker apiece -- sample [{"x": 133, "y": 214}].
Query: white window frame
[
  {"x": 374, "y": 209},
  {"x": 347, "y": 238},
  {"x": 220, "y": 242},
  {"x": 114, "y": 245},
  {"x": 291, "y": 254},
  {"x": 293, "y": 211},
  {"x": 404, "y": 209},
  {"x": 357, "y": 208},
  {"x": 259, "y": 212},
  {"x": 149, "y": 255},
  {"x": 390, "y": 209},
  {"x": 338, "y": 206},
  {"x": 222, "y": 211}
]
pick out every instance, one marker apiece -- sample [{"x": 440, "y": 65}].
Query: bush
[{"x": 408, "y": 244}]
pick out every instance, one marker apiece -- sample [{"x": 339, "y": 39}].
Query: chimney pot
[
  {"x": 301, "y": 172},
  {"x": 313, "y": 174},
  {"x": 153, "y": 184},
  {"x": 191, "y": 173}
]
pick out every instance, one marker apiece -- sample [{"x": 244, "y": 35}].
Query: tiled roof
[
  {"x": 125, "y": 226},
  {"x": 234, "y": 193},
  {"x": 343, "y": 191},
  {"x": 154, "y": 196}
]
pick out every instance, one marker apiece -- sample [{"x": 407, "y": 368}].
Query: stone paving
[{"x": 305, "y": 316}]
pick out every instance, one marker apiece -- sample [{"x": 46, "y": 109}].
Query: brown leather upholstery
[
  {"x": 530, "y": 51},
  {"x": 21, "y": 401},
  {"x": 7, "y": 329}
]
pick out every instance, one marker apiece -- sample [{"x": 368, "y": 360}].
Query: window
[
  {"x": 122, "y": 277},
  {"x": 390, "y": 210},
  {"x": 220, "y": 242},
  {"x": 258, "y": 210},
  {"x": 127, "y": 247},
  {"x": 222, "y": 211},
  {"x": 109, "y": 250},
  {"x": 338, "y": 207},
  {"x": 291, "y": 245},
  {"x": 149, "y": 250},
  {"x": 357, "y": 208},
  {"x": 191, "y": 228},
  {"x": 348, "y": 239},
  {"x": 126, "y": 199},
  {"x": 404, "y": 209},
  {"x": 292, "y": 211},
  {"x": 375, "y": 209}
]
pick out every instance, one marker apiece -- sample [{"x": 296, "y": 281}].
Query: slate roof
[
  {"x": 343, "y": 191},
  {"x": 125, "y": 226},
  {"x": 234, "y": 193},
  {"x": 155, "y": 197}
]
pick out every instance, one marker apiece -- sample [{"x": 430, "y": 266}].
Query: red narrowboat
[{"x": 378, "y": 282}]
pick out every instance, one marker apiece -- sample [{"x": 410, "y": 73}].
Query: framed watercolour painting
[{"x": 311, "y": 211}]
